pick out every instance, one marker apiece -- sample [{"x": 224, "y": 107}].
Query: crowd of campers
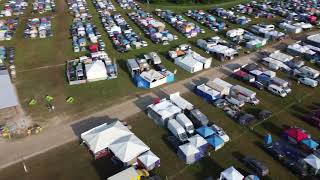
[
  {"x": 148, "y": 71},
  {"x": 189, "y": 60},
  {"x": 187, "y": 28},
  {"x": 120, "y": 32},
  {"x": 191, "y": 133},
  {"x": 304, "y": 11},
  {"x": 153, "y": 28},
  {"x": 83, "y": 31},
  {"x": 230, "y": 98},
  {"x": 13, "y": 8},
  {"x": 218, "y": 48},
  {"x": 38, "y": 27},
  {"x": 250, "y": 40},
  {"x": 267, "y": 31},
  {"x": 252, "y": 9},
  {"x": 230, "y": 16},
  {"x": 79, "y": 9},
  {"x": 42, "y": 6},
  {"x": 295, "y": 28},
  {"x": 116, "y": 142},
  {"x": 8, "y": 28},
  {"x": 7, "y": 56},
  {"x": 296, "y": 150},
  {"x": 128, "y": 4},
  {"x": 281, "y": 61},
  {"x": 89, "y": 69},
  {"x": 206, "y": 19},
  {"x": 103, "y": 5}
]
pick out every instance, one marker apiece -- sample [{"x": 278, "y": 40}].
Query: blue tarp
[
  {"x": 268, "y": 139},
  {"x": 140, "y": 82},
  {"x": 205, "y": 131},
  {"x": 311, "y": 144},
  {"x": 215, "y": 141}
]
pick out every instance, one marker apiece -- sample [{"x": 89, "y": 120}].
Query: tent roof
[
  {"x": 189, "y": 149},
  {"x": 205, "y": 131},
  {"x": 128, "y": 147},
  {"x": 197, "y": 140},
  {"x": 215, "y": 141},
  {"x": 310, "y": 143},
  {"x": 96, "y": 69},
  {"x": 180, "y": 101},
  {"x": 313, "y": 161},
  {"x": 102, "y": 136},
  {"x": 148, "y": 158},
  {"x": 297, "y": 134},
  {"x": 8, "y": 97},
  {"x": 165, "y": 108},
  {"x": 125, "y": 174},
  {"x": 232, "y": 174}
]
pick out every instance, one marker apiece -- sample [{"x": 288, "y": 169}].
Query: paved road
[{"x": 15, "y": 151}]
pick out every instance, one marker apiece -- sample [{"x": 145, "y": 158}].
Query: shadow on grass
[
  {"x": 106, "y": 168},
  {"x": 143, "y": 102},
  {"x": 87, "y": 124},
  {"x": 298, "y": 109},
  {"x": 269, "y": 126},
  {"x": 208, "y": 168}
]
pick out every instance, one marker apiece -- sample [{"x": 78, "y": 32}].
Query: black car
[
  {"x": 275, "y": 152},
  {"x": 159, "y": 67},
  {"x": 257, "y": 85},
  {"x": 295, "y": 167},
  {"x": 245, "y": 119},
  {"x": 264, "y": 114},
  {"x": 257, "y": 166}
]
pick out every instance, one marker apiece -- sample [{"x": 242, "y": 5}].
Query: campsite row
[
  {"x": 14, "y": 8},
  {"x": 38, "y": 27}
]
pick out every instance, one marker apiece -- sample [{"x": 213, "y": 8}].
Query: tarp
[
  {"x": 8, "y": 97},
  {"x": 102, "y": 136},
  {"x": 231, "y": 174},
  {"x": 296, "y": 134},
  {"x": 311, "y": 144},
  {"x": 313, "y": 161},
  {"x": 205, "y": 131},
  {"x": 128, "y": 147}
]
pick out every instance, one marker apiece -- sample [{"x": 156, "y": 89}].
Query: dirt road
[{"x": 15, "y": 151}]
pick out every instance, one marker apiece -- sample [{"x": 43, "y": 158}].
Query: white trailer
[
  {"x": 185, "y": 122},
  {"x": 177, "y": 130},
  {"x": 220, "y": 85},
  {"x": 244, "y": 94}
]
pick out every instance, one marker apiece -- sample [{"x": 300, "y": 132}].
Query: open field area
[{"x": 72, "y": 161}]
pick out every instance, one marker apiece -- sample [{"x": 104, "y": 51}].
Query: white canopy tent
[
  {"x": 149, "y": 160},
  {"x": 96, "y": 71},
  {"x": 180, "y": 101},
  {"x": 231, "y": 174},
  {"x": 128, "y": 148},
  {"x": 313, "y": 161},
  {"x": 197, "y": 141},
  {"x": 102, "y": 136},
  {"x": 189, "y": 153}
]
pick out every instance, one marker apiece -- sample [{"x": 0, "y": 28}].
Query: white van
[
  {"x": 277, "y": 90},
  {"x": 177, "y": 130},
  {"x": 185, "y": 122}
]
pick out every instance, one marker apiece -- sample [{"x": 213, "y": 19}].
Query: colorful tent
[
  {"x": 268, "y": 139},
  {"x": 216, "y": 142},
  {"x": 296, "y": 135},
  {"x": 231, "y": 174},
  {"x": 311, "y": 144},
  {"x": 205, "y": 131}
]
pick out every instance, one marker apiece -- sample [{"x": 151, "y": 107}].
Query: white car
[
  {"x": 308, "y": 81},
  {"x": 234, "y": 101},
  {"x": 220, "y": 133}
]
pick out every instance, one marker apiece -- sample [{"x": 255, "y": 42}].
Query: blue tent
[
  {"x": 216, "y": 142},
  {"x": 268, "y": 139},
  {"x": 311, "y": 144},
  {"x": 205, "y": 131}
]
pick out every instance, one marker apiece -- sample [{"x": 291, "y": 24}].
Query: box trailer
[
  {"x": 245, "y": 94},
  {"x": 209, "y": 94},
  {"x": 220, "y": 85},
  {"x": 185, "y": 122},
  {"x": 180, "y": 101},
  {"x": 177, "y": 130}
]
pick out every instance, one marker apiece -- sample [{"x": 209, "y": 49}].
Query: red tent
[
  {"x": 296, "y": 135},
  {"x": 93, "y": 48}
]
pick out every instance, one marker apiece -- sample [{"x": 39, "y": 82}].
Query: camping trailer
[
  {"x": 177, "y": 130},
  {"x": 185, "y": 122}
]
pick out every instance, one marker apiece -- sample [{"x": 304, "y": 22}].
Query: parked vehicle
[
  {"x": 185, "y": 122},
  {"x": 275, "y": 152},
  {"x": 197, "y": 118},
  {"x": 245, "y": 118},
  {"x": 256, "y": 165},
  {"x": 295, "y": 167},
  {"x": 220, "y": 103},
  {"x": 220, "y": 132},
  {"x": 177, "y": 130},
  {"x": 234, "y": 101},
  {"x": 277, "y": 90},
  {"x": 308, "y": 81}
]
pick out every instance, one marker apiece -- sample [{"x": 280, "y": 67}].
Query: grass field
[
  {"x": 50, "y": 54},
  {"x": 73, "y": 161}
]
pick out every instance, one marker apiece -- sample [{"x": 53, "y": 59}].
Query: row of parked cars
[
  {"x": 8, "y": 28},
  {"x": 43, "y": 6},
  {"x": 128, "y": 4},
  {"x": 38, "y": 27},
  {"x": 187, "y": 28},
  {"x": 13, "y": 8},
  {"x": 153, "y": 28},
  {"x": 206, "y": 19},
  {"x": 230, "y": 16}
]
